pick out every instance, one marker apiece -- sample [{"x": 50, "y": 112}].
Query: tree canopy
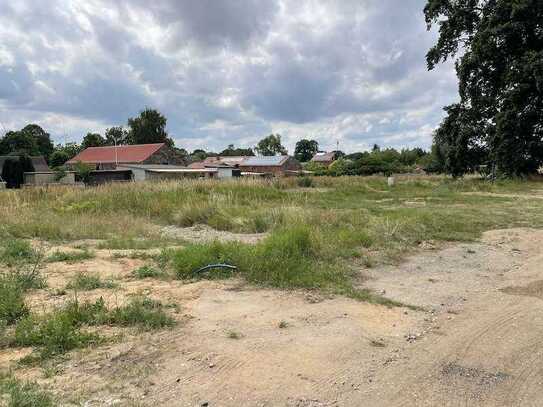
[
  {"x": 93, "y": 140},
  {"x": 149, "y": 127},
  {"x": 231, "y": 151},
  {"x": 31, "y": 140},
  {"x": 498, "y": 46},
  {"x": 271, "y": 145},
  {"x": 305, "y": 150}
]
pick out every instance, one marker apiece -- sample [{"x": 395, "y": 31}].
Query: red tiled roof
[{"x": 125, "y": 154}]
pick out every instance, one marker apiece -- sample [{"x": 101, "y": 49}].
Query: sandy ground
[{"x": 477, "y": 342}]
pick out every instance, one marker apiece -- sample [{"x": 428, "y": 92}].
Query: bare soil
[{"x": 477, "y": 340}]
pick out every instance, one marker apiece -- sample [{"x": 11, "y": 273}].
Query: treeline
[
  {"x": 378, "y": 161},
  {"x": 32, "y": 140}
]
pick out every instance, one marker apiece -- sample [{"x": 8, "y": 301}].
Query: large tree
[
  {"x": 31, "y": 140},
  {"x": 498, "y": 46},
  {"x": 148, "y": 127},
  {"x": 231, "y": 151},
  {"x": 271, "y": 145},
  {"x": 305, "y": 150},
  {"x": 117, "y": 135},
  {"x": 93, "y": 140}
]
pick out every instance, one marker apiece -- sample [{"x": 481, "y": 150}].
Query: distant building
[
  {"x": 39, "y": 163},
  {"x": 281, "y": 165},
  {"x": 108, "y": 158},
  {"x": 325, "y": 158}
]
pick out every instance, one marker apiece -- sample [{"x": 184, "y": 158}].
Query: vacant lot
[{"x": 348, "y": 292}]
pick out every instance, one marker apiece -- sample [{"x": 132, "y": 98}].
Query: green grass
[
  {"x": 70, "y": 257},
  {"x": 12, "y": 305},
  {"x": 17, "y": 393},
  {"x": 62, "y": 330},
  {"x": 317, "y": 238},
  {"x": 148, "y": 272},
  {"x": 137, "y": 244},
  {"x": 14, "y": 252},
  {"x": 88, "y": 282}
]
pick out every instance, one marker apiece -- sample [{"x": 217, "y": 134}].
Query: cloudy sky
[{"x": 224, "y": 71}]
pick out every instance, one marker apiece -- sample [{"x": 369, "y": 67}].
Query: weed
[
  {"x": 283, "y": 324},
  {"x": 12, "y": 305},
  {"x": 147, "y": 272},
  {"x": 17, "y": 393},
  {"x": 16, "y": 251},
  {"x": 70, "y": 257},
  {"x": 144, "y": 313},
  {"x": 234, "y": 335},
  {"x": 88, "y": 282},
  {"x": 377, "y": 343},
  {"x": 53, "y": 334}
]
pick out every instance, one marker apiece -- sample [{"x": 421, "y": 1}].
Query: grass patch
[
  {"x": 147, "y": 272},
  {"x": 16, "y": 393},
  {"x": 60, "y": 331},
  {"x": 14, "y": 252},
  {"x": 52, "y": 334},
  {"x": 137, "y": 244},
  {"x": 89, "y": 282},
  {"x": 70, "y": 257}
]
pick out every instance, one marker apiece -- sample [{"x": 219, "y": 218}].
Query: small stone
[{"x": 211, "y": 365}]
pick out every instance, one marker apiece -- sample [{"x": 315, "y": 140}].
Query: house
[
  {"x": 108, "y": 158},
  {"x": 324, "y": 158},
  {"x": 15, "y": 181},
  {"x": 281, "y": 165}
]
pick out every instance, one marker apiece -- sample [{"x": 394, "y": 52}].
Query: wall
[
  {"x": 104, "y": 177},
  {"x": 290, "y": 165},
  {"x": 45, "y": 178}
]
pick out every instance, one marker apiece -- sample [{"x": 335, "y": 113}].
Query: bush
[{"x": 12, "y": 305}]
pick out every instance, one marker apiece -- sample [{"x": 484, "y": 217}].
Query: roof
[
  {"x": 136, "y": 153},
  {"x": 183, "y": 170},
  {"x": 149, "y": 167},
  {"x": 39, "y": 163},
  {"x": 324, "y": 157},
  {"x": 265, "y": 161}
]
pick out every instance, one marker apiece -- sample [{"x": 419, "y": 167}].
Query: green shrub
[
  {"x": 88, "y": 282},
  {"x": 70, "y": 257},
  {"x": 12, "y": 305},
  {"x": 23, "y": 394}
]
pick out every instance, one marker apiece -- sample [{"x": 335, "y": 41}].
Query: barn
[{"x": 110, "y": 157}]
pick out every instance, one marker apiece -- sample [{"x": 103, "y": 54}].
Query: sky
[{"x": 225, "y": 72}]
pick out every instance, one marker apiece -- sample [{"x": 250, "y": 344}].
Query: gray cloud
[{"x": 225, "y": 72}]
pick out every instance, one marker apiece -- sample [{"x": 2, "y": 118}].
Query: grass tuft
[
  {"x": 147, "y": 272},
  {"x": 89, "y": 282},
  {"x": 70, "y": 257},
  {"x": 17, "y": 393}
]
